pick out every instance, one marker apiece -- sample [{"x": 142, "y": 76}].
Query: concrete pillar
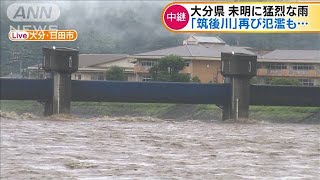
[
  {"x": 61, "y": 92},
  {"x": 227, "y": 108},
  {"x": 240, "y": 97},
  {"x": 48, "y": 103},
  {"x": 238, "y": 69},
  {"x": 61, "y": 62}
]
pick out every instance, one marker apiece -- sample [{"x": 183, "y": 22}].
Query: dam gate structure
[{"x": 234, "y": 96}]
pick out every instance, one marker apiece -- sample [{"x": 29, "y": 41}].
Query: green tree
[
  {"x": 196, "y": 79},
  {"x": 254, "y": 80},
  {"x": 172, "y": 64},
  {"x": 116, "y": 73},
  {"x": 178, "y": 77},
  {"x": 168, "y": 69},
  {"x": 284, "y": 81}
]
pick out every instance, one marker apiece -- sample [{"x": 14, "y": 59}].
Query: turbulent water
[{"x": 147, "y": 148}]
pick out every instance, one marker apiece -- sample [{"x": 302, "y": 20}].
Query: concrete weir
[
  {"x": 237, "y": 69},
  {"x": 61, "y": 62},
  {"x": 235, "y": 95}
]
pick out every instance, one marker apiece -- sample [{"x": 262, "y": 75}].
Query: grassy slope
[
  {"x": 282, "y": 113},
  {"x": 21, "y": 107},
  {"x": 171, "y": 111}
]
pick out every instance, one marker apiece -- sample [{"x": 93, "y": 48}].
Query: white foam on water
[
  {"x": 14, "y": 116},
  {"x": 127, "y": 119}
]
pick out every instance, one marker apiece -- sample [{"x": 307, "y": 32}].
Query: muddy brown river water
[{"x": 146, "y": 148}]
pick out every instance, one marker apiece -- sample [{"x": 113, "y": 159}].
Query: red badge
[{"x": 176, "y": 17}]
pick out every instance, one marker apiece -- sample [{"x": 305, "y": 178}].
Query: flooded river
[{"x": 146, "y": 148}]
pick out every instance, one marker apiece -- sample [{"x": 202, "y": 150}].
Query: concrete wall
[
  {"x": 207, "y": 71},
  {"x": 131, "y": 77},
  {"x": 81, "y": 76}
]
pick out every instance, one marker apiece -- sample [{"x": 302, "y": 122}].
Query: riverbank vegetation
[{"x": 170, "y": 111}]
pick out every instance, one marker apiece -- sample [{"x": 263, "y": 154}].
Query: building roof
[
  {"x": 292, "y": 56},
  {"x": 93, "y": 61},
  {"x": 192, "y": 51},
  {"x": 86, "y": 60},
  {"x": 206, "y": 39}
]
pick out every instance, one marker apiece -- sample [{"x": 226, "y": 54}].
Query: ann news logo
[{"x": 35, "y": 13}]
